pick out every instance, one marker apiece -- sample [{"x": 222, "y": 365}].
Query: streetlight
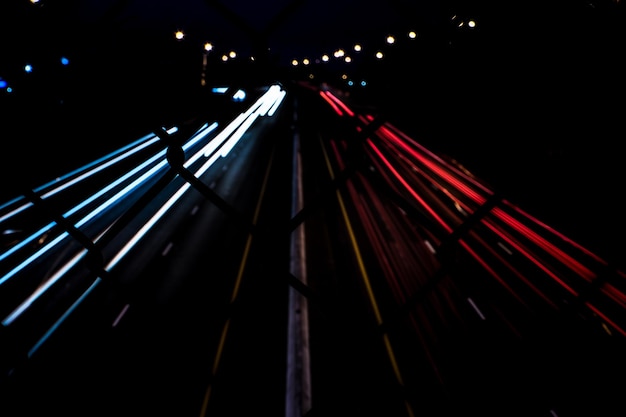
[{"x": 205, "y": 54}]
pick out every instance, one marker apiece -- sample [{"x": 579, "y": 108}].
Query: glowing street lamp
[{"x": 208, "y": 47}]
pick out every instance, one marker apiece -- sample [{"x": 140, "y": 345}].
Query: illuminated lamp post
[{"x": 205, "y": 58}]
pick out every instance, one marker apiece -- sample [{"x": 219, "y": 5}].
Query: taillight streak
[
  {"x": 417, "y": 197},
  {"x": 337, "y": 102},
  {"x": 333, "y": 105}
]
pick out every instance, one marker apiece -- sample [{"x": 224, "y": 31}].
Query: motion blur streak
[
  {"x": 415, "y": 195},
  {"x": 172, "y": 200},
  {"x": 130, "y": 244},
  {"x": 265, "y": 105},
  {"x": 521, "y": 276},
  {"x": 24, "y": 242},
  {"x": 86, "y": 171},
  {"x": 517, "y": 225},
  {"x": 556, "y": 233},
  {"x": 93, "y": 214},
  {"x": 514, "y": 223},
  {"x": 365, "y": 277},
  {"x": 433, "y": 167},
  {"x": 332, "y": 103},
  {"x": 61, "y": 319},
  {"x": 400, "y": 291},
  {"x": 42, "y": 288},
  {"x": 339, "y": 103},
  {"x": 604, "y": 317}
]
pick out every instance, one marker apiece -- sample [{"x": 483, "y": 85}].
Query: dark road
[
  {"x": 426, "y": 292},
  {"x": 433, "y": 231}
]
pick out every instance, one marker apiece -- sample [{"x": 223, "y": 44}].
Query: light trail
[
  {"x": 93, "y": 214},
  {"x": 366, "y": 281},
  {"x": 272, "y": 96},
  {"x": 84, "y": 172}
]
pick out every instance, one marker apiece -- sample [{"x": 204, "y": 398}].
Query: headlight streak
[
  {"x": 59, "y": 274},
  {"x": 272, "y": 97},
  {"x": 84, "y": 172},
  {"x": 113, "y": 200},
  {"x": 34, "y": 236},
  {"x": 63, "y": 317},
  {"x": 157, "y": 216},
  {"x": 125, "y": 249},
  {"x": 274, "y": 107}
]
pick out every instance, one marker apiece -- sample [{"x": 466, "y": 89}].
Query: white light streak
[
  {"x": 505, "y": 248},
  {"x": 476, "y": 308},
  {"x": 120, "y": 316},
  {"x": 125, "y": 249},
  {"x": 167, "y": 249}
]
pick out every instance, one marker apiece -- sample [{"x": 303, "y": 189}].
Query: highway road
[{"x": 325, "y": 264}]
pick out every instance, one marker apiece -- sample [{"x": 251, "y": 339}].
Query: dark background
[{"x": 531, "y": 100}]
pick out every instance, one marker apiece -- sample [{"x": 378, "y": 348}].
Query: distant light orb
[
  {"x": 471, "y": 23},
  {"x": 357, "y": 47},
  {"x": 412, "y": 34},
  {"x": 224, "y": 57},
  {"x": 179, "y": 34},
  {"x": 208, "y": 46},
  {"x": 306, "y": 61},
  {"x": 347, "y": 59},
  {"x": 391, "y": 39},
  {"x": 64, "y": 60},
  {"x": 294, "y": 62},
  {"x": 339, "y": 53},
  {"x": 325, "y": 58},
  {"x": 3, "y": 84},
  {"x": 379, "y": 55},
  {"x": 232, "y": 54},
  {"x": 363, "y": 83},
  {"x": 28, "y": 68},
  {"x": 350, "y": 82}
]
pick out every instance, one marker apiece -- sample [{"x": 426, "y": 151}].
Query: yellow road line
[
  {"x": 366, "y": 281},
  {"x": 242, "y": 265}
]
